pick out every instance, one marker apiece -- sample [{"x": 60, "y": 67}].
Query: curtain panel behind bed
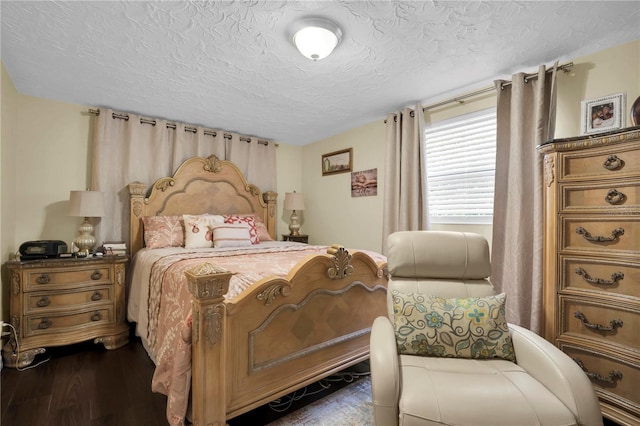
[{"x": 129, "y": 150}]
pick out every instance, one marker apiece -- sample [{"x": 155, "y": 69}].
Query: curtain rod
[
  {"x": 173, "y": 126},
  {"x": 459, "y": 99}
]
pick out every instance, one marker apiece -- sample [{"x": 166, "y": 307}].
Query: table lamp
[
  {"x": 294, "y": 201},
  {"x": 86, "y": 204}
]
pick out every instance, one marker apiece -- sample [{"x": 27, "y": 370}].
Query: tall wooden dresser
[{"x": 592, "y": 262}]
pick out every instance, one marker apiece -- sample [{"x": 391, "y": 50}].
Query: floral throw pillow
[
  {"x": 163, "y": 231},
  {"x": 457, "y": 327},
  {"x": 248, "y": 221}
]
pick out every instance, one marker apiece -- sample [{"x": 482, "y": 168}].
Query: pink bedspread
[{"x": 169, "y": 308}]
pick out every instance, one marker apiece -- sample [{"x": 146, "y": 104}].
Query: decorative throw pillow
[
  {"x": 461, "y": 328},
  {"x": 163, "y": 231},
  {"x": 197, "y": 229},
  {"x": 249, "y": 221},
  {"x": 231, "y": 235}
]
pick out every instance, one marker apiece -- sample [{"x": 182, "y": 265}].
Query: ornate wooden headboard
[{"x": 200, "y": 185}]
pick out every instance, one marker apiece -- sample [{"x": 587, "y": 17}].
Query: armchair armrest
[
  {"x": 558, "y": 373},
  {"x": 385, "y": 373}
]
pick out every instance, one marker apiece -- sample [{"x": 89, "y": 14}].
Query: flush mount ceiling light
[{"x": 316, "y": 38}]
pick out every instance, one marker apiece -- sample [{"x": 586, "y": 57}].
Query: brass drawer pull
[
  {"x": 615, "y": 277},
  {"x": 613, "y": 323},
  {"x": 44, "y": 301},
  {"x": 613, "y": 163},
  {"x": 587, "y": 235},
  {"x": 614, "y": 375},
  {"x": 97, "y": 316},
  {"x": 43, "y": 279},
  {"x": 96, "y": 296},
  {"x": 44, "y": 324},
  {"x": 615, "y": 197},
  {"x": 96, "y": 275}
]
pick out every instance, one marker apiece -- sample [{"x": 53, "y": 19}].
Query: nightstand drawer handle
[
  {"x": 44, "y": 301},
  {"x": 587, "y": 235},
  {"x": 614, "y": 375},
  {"x": 97, "y": 316},
  {"x": 44, "y": 324},
  {"x": 616, "y": 323},
  {"x": 615, "y": 197},
  {"x": 96, "y": 275},
  {"x": 96, "y": 296},
  {"x": 613, "y": 163},
  {"x": 43, "y": 279},
  {"x": 615, "y": 277}
]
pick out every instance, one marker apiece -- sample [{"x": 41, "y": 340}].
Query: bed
[{"x": 236, "y": 348}]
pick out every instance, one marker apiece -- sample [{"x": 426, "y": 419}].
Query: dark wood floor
[{"x": 87, "y": 385}]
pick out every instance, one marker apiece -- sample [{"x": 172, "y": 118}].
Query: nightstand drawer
[
  {"x": 59, "y": 323},
  {"x": 595, "y": 320},
  {"x": 41, "y": 279},
  {"x": 50, "y": 302}
]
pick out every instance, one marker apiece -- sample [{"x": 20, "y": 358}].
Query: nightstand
[
  {"x": 297, "y": 238},
  {"x": 57, "y": 302}
]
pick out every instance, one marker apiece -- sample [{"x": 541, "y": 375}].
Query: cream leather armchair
[{"x": 542, "y": 387}]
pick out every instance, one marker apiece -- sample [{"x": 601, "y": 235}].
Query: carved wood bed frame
[{"x": 282, "y": 334}]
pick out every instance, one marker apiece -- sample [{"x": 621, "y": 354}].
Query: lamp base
[
  {"x": 85, "y": 241},
  {"x": 294, "y": 224}
]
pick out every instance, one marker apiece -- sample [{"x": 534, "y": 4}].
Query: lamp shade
[
  {"x": 316, "y": 38},
  {"x": 86, "y": 203},
  {"x": 293, "y": 201}
]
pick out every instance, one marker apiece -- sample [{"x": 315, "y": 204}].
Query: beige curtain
[
  {"x": 129, "y": 150},
  {"x": 526, "y": 118},
  {"x": 405, "y": 196}
]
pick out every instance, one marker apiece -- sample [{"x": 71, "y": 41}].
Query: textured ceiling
[{"x": 229, "y": 64}]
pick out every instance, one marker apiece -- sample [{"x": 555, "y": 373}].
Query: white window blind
[{"x": 461, "y": 163}]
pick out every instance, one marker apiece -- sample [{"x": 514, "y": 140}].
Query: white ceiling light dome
[{"x": 316, "y": 38}]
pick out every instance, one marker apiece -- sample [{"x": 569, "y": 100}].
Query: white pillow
[
  {"x": 197, "y": 229},
  {"x": 231, "y": 235}
]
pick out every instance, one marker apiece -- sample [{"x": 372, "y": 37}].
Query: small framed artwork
[
  {"x": 602, "y": 114},
  {"x": 337, "y": 162},
  {"x": 364, "y": 183},
  {"x": 635, "y": 113}
]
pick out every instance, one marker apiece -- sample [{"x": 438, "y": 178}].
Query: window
[{"x": 461, "y": 163}]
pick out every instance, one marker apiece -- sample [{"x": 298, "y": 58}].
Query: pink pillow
[
  {"x": 163, "y": 231},
  {"x": 248, "y": 221}
]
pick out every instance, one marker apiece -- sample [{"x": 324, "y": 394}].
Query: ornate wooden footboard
[{"x": 284, "y": 334}]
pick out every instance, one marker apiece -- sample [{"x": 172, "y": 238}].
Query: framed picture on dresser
[{"x": 602, "y": 114}]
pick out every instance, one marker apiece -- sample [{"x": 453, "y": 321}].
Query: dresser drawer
[
  {"x": 615, "y": 381},
  {"x": 70, "y": 300},
  {"x": 595, "y": 320},
  {"x": 606, "y": 197},
  {"x": 60, "y": 323},
  {"x": 601, "y": 163},
  {"x": 607, "y": 235},
  {"x": 80, "y": 276},
  {"x": 600, "y": 275}
]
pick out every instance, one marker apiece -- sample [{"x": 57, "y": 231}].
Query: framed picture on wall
[
  {"x": 364, "y": 183},
  {"x": 337, "y": 162},
  {"x": 602, "y": 114}
]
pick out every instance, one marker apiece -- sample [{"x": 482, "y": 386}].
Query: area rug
[{"x": 349, "y": 406}]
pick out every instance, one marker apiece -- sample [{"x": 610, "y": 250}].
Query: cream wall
[
  {"x": 46, "y": 150},
  {"x": 608, "y": 72}
]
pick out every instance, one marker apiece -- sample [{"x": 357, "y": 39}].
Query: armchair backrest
[{"x": 438, "y": 263}]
